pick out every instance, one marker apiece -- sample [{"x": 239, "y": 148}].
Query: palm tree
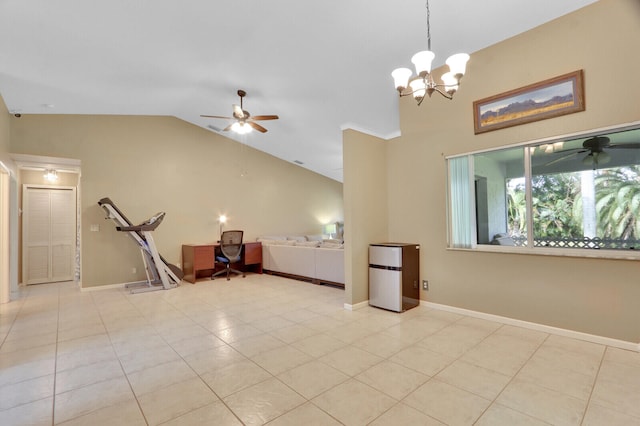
[
  {"x": 517, "y": 210},
  {"x": 553, "y": 198},
  {"x": 618, "y": 203}
]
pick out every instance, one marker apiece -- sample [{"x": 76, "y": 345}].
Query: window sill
[{"x": 561, "y": 252}]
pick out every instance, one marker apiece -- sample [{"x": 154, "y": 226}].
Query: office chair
[{"x": 231, "y": 248}]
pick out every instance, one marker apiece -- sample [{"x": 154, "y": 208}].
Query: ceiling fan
[
  {"x": 595, "y": 147},
  {"x": 243, "y": 121}
]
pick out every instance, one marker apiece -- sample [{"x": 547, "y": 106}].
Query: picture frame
[{"x": 539, "y": 101}]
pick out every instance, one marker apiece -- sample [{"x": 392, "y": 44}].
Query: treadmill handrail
[{"x": 148, "y": 225}]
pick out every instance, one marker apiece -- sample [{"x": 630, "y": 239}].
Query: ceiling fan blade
[
  {"x": 564, "y": 157},
  {"x": 238, "y": 113},
  {"x": 257, "y": 126},
  {"x": 216, "y": 116},
  {"x": 626, "y": 146},
  {"x": 265, "y": 117},
  {"x": 226, "y": 129}
]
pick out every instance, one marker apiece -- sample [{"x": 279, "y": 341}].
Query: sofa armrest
[{"x": 329, "y": 265}]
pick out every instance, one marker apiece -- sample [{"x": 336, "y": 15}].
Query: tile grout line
[
  {"x": 593, "y": 385},
  {"x": 305, "y": 400},
  {"x": 55, "y": 364},
  {"x": 106, "y": 329},
  {"x": 185, "y": 361},
  {"x": 514, "y": 377}
]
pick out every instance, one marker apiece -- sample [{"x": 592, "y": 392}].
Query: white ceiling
[{"x": 321, "y": 66}]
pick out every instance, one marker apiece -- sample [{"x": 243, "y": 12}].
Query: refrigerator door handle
[{"x": 388, "y": 268}]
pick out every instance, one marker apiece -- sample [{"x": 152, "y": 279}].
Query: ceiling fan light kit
[
  {"x": 424, "y": 84},
  {"x": 595, "y": 158},
  {"x": 244, "y": 123},
  {"x": 241, "y": 128}
]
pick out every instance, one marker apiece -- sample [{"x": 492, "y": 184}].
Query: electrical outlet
[
  {"x": 425, "y": 285},
  {"x": 134, "y": 270}
]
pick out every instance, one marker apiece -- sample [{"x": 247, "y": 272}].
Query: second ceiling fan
[
  {"x": 243, "y": 121},
  {"x": 595, "y": 147}
]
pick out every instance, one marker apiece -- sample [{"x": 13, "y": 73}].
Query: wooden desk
[{"x": 200, "y": 258}]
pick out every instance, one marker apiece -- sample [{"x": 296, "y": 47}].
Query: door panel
[{"x": 49, "y": 234}]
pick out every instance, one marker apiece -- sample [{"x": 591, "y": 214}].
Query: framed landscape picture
[{"x": 550, "y": 98}]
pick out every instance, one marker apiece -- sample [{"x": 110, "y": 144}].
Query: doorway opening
[{"x": 49, "y": 220}]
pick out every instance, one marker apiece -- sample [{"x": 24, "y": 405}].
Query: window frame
[{"x": 529, "y": 248}]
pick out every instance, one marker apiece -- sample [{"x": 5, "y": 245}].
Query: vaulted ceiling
[{"x": 320, "y": 66}]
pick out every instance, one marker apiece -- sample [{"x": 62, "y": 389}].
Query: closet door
[{"x": 49, "y": 233}]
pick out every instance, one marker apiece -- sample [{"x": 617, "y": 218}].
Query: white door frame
[
  {"x": 69, "y": 165},
  {"x": 5, "y": 214}
]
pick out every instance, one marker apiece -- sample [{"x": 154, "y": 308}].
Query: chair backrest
[{"x": 231, "y": 245}]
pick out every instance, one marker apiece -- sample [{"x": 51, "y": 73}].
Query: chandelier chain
[{"x": 428, "y": 27}]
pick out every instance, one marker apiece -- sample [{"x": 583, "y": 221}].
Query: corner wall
[
  {"x": 365, "y": 207},
  {"x": 594, "y": 296},
  {"x": 152, "y": 164},
  {"x": 4, "y": 131}
]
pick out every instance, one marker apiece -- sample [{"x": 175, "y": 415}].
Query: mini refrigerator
[{"x": 394, "y": 275}]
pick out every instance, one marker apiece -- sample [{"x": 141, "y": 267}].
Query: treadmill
[{"x": 161, "y": 275}]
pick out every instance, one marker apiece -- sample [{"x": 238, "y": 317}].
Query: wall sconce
[
  {"x": 222, "y": 219},
  {"x": 51, "y": 175}
]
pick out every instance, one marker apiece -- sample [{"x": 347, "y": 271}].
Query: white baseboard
[
  {"x": 621, "y": 344},
  {"x": 356, "y": 306},
  {"x": 104, "y": 287}
]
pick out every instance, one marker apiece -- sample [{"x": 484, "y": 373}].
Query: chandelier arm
[{"x": 445, "y": 94}]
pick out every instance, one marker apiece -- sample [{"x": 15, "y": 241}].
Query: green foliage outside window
[{"x": 557, "y": 204}]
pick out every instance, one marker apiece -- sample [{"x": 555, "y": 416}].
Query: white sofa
[{"x": 318, "y": 262}]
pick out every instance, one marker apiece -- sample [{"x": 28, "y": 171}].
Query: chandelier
[{"x": 423, "y": 83}]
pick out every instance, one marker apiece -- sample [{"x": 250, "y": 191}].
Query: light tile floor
[{"x": 269, "y": 350}]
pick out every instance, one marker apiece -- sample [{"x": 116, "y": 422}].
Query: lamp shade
[
  {"x": 330, "y": 228},
  {"x": 602, "y": 157},
  {"x": 418, "y": 88},
  {"x": 450, "y": 82},
  {"x": 401, "y": 78},
  {"x": 422, "y": 61},
  {"x": 458, "y": 63}
]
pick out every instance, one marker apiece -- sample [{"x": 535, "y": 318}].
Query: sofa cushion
[
  {"x": 331, "y": 245},
  {"x": 272, "y": 237},
  {"x": 308, "y": 243},
  {"x": 332, "y": 240}
]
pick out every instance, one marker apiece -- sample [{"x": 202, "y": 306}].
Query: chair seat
[{"x": 222, "y": 259}]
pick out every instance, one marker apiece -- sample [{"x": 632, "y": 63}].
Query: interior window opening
[{"x": 585, "y": 194}]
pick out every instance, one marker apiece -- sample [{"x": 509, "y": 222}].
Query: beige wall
[
  {"x": 4, "y": 131},
  {"x": 365, "y": 203},
  {"x": 595, "y": 296},
  {"x": 152, "y": 164}
]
